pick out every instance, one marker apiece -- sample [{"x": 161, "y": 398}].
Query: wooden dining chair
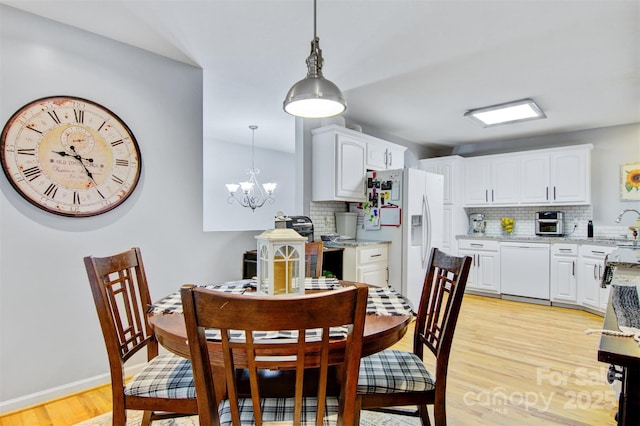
[
  {"x": 313, "y": 259},
  {"x": 393, "y": 378},
  {"x": 121, "y": 296},
  {"x": 205, "y": 308}
]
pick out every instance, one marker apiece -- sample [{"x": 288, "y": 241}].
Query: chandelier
[{"x": 250, "y": 193}]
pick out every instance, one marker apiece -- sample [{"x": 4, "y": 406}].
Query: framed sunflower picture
[{"x": 630, "y": 182}]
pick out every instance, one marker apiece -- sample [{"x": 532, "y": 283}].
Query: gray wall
[{"x": 50, "y": 340}]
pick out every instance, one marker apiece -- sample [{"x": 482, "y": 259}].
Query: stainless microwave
[{"x": 549, "y": 223}]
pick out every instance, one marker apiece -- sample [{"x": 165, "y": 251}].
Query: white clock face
[{"x": 70, "y": 156}]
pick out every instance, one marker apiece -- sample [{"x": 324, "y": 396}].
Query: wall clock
[{"x": 70, "y": 156}]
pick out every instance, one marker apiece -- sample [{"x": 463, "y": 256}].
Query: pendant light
[{"x": 314, "y": 96}]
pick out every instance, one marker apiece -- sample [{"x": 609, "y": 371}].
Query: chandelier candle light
[{"x": 250, "y": 193}]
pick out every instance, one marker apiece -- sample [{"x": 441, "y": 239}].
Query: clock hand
[{"x": 79, "y": 158}]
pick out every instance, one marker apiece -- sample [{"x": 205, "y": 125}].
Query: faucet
[{"x": 624, "y": 211}]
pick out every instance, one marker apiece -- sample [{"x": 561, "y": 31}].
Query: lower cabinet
[
  {"x": 367, "y": 264},
  {"x": 564, "y": 273},
  {"x": 484, "y": 275},
  {"x": 590, "y": 272}
]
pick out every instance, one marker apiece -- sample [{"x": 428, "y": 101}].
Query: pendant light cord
[
  {"x": 253, "y": 128},
  {"x": 314, "y": 20}
]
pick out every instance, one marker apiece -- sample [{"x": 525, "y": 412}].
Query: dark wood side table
[{"x": 623, "y": 352}]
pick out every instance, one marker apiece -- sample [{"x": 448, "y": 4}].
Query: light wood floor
[{"x": 511, "y": 364}]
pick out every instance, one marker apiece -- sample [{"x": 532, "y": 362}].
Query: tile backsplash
[
  {"x": 323, "y": 217},
  {"x": 525, "y": 221},
  {"x": 324, "y": 220}
]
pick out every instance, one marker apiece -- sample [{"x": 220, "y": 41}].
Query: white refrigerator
[{"x": 404, "y": 207}]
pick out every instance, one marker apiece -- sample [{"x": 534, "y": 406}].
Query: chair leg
[
  {"x": 424, "y": 415},
  {"x": 146, "y": 418}
]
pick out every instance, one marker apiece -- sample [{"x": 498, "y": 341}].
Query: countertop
[
  {"x": 624, "y": 258},
  {"x": 535, "y": 238},
  {"x": 351, "y": 243}
]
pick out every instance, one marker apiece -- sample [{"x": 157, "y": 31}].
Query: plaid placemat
[
  {"x": 381, "y": 301},
  {"x": 387, "y": 301}
]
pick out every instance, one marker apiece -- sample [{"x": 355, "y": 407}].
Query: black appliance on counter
[{"x": 302, "y": 225}]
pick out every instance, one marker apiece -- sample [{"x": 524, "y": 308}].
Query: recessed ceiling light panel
[{"x": 507, "y": 113}]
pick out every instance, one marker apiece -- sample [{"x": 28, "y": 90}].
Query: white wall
[
  {"x": 50, "y": 340},
  {"x": 227, "y": 163}
]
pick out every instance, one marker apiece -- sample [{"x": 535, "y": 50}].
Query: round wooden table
[{"x": 380, "y": 332}]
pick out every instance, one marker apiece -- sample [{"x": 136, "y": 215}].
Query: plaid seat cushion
[
  {"x": 166, "y": 376},
  {"x": 280, "y": 409},
  {"x": 392, "y": 371}
]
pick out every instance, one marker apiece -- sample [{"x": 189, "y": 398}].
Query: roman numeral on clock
[
  {"x": 51, "y": 190},
  {"x": 54, "y": 116},
  {"x": 26, "y": 151},
  {"x": 32, "y": 173},
  {"x": 79, "y": 115},
  {"x": 117, "y": 180},
  {"x": 118, "y": 142},
  {"x": 76, "y": 198},
  {"x": 122, "y": 163}
]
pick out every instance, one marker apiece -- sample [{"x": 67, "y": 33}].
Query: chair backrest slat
[
  {"x": 441, "y": 298},
  {"x": 121, "y": 295},
  {"x": 318, "y": 312}
]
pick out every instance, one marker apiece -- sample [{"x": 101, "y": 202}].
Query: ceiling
[{"x": 409, "y": 69}]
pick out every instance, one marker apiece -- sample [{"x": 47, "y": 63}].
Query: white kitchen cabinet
[
  {"x": 339, "y": 164},
  {"x": 590, "y": 271},
  {"x": 383, "y": 155},
  {"x": 524, "y": 269},
  {"x": 484, "y": 275},
  {"x": 367, "y": 264},
  {"x": 559, "y": 176},
  {"x": 491, "y": 180},
  {"x": 571, "y": 176},
  {"x": 564, "y": 273}
]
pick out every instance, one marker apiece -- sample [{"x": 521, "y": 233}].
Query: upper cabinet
[
  {"x": 341, "y": 158},
  {"x": 491, "y": 180},
  {"x": 382, "y": 155},
  {"x": 557, "y": 177},
  {"x": 339, "y": 165},
  {"x": 541, "y": 177}
]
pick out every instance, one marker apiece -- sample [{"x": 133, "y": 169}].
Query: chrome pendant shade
[
  {"x": 314, "y": 96},
  {"x": 250, "y": 193}
]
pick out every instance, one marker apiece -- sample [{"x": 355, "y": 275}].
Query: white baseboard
[{"x": 46, "y": 395}]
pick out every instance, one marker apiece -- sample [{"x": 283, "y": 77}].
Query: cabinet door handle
[
  {"x": 478, "y": 260},
  {"x": 492, "y": 199},
  {"x": 595, "y": 277},
  {"x": 486, "y": 195},
  {"x": 376, "y": 255},
  {"x": 564, "y": 250},
  {"x": 546, "y": 196},
  {"x": 573, "y": 268},
  {"x": 476, "y": 245},
  {"x": 386, "y": 157},
  {"x": 390, "y": 159},
  {"x": 554, "y": 193},
  {"x": 597, "y": 252}
]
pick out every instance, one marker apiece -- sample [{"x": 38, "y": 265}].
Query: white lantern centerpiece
[{"x": 281, "y": 262}]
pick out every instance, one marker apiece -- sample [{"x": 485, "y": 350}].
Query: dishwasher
[{"x": 524, "y": 269}]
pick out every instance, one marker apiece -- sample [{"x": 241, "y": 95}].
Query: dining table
[{"x": 387, "y": 320}]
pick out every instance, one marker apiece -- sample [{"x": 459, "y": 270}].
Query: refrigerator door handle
[{"x": 426, "y": 231}]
